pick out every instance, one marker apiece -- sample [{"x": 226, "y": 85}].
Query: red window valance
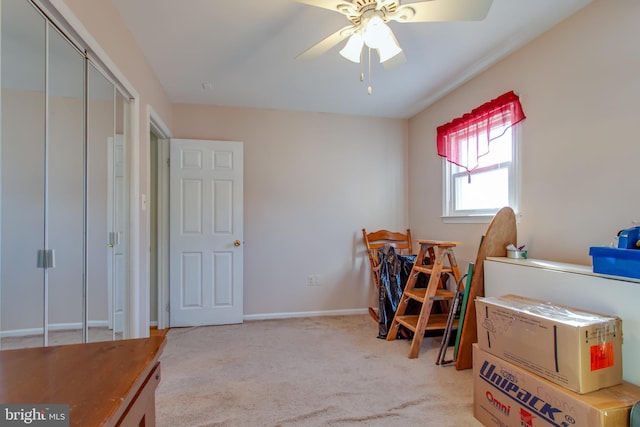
[{"x": 465, "y": 139}]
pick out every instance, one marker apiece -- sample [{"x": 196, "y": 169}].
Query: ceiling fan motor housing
[{"x": 360, "y": 10}]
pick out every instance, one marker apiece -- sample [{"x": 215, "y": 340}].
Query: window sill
[
  {"x": 468, "y": 219},
  {"x": 473, "y": 219}
]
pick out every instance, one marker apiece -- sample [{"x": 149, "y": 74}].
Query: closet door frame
[
  {"x": 136, "y": 295},
  {"x": 134, "y": 325}
]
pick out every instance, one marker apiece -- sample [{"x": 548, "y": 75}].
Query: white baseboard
[
  {"x": 270, "y": 316},
  {"x": 52, "y": 328},
  {"x": 262, "y": 316}
]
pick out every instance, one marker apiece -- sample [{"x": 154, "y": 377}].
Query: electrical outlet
[{"x": 313, "y": 280}]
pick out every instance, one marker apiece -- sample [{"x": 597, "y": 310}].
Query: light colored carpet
[{"x": 319, "y": 371}]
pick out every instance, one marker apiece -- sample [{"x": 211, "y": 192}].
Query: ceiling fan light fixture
[
  {"x": 377, "y": 35},
  {"x": 388, "y": 49},
  {"x": 376, "y": 32},
  {"x": 353, "y": 48}
]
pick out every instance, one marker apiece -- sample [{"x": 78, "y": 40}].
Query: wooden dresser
[{"x": 109, "y": 383}]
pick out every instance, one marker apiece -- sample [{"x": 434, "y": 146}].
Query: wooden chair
[{"x": 402, "y": 242}]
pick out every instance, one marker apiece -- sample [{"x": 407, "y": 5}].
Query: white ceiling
[{"x": 245, "y": 49}]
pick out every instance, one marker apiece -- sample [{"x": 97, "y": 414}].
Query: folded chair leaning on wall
[{"x": 402, "y": 243}]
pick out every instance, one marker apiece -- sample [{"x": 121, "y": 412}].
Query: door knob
[{"x": 237, "y": 243}]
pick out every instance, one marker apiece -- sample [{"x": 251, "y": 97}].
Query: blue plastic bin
[{"x": 616, "y": 261}]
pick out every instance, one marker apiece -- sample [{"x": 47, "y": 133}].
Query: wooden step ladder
[{"x": 439, "y": 253}]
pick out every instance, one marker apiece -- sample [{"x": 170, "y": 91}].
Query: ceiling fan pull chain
[
  {"x": 369, "y": 89},
  {"x": 361, "y": 65}
]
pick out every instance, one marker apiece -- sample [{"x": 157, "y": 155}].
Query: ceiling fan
[{"x": 369, "y": 20}]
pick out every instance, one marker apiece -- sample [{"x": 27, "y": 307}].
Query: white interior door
[{"x": 206, "y": 232}]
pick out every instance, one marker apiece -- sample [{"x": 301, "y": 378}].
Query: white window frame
[{"x": 449, "y": 212}]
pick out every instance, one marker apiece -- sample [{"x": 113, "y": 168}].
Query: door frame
[{"x": 160, "y": 129}]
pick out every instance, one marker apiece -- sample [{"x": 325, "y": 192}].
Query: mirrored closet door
[{"x": 63, "y": 188}]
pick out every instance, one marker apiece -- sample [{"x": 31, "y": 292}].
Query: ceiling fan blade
[
  {"x": 341, "y": 6},
  {"x": 327, "y": 43},
  {"x": 443, "y": 10}
]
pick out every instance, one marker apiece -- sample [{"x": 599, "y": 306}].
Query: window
[
  {"x": 480, "y": 172},
  {"x": 492, "y": 185}
]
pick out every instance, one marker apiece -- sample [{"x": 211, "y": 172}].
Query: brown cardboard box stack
[{"x": 539, "y": 364}]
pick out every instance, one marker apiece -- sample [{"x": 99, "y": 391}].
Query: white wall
[
  {"x": 312, "y": 182},
  {"x": 579, "y": 85}
]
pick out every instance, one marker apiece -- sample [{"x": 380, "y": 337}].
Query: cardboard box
[
  {"x": 506, "y": 395},
  {"x": 576, "y": 349}
]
